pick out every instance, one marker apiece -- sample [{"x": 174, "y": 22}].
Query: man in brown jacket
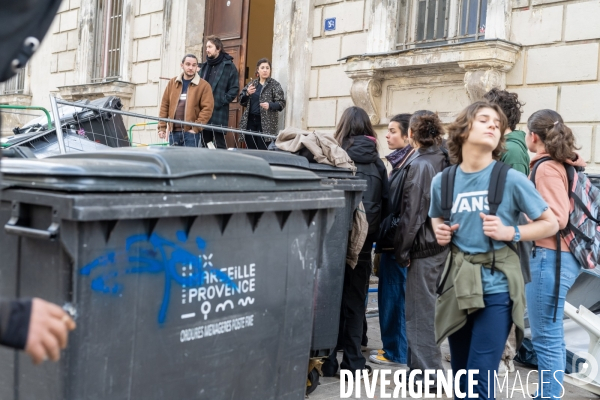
[{"x": 188, "y": 98}]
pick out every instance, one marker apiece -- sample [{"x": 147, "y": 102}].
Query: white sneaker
[
  {"x": 502, "y": 368},
  {"x": 379, "y": 352},
  {"x": 381, "y": 360},
  {"x": 506, "y": 367},
  {"x": 369, "y": 371},
  {"x": 511, "y": 366}
]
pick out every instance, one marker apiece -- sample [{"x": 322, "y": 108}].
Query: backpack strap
[
  {"x": 535, "y": 167},
  {"x": 495, "y": 193},
  {"x": 444, "y": 150},
  {"x": 497, "y": 183},
  {"x": 557, "y": 277},
  {"x": 448, "y": 176},
  {"x": 532, "y": 176},
  {"x": 403, "y": 169}
]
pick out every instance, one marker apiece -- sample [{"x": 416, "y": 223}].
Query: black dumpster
[
  {"x": 102, "y": 127},
  {"x": 45, "y": 144},
  {"x": 331, "y": 265},
  {"x": 192, "y": 272}
]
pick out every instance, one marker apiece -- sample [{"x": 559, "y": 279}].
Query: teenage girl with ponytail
[
  {"x": 415, "y": 244},
  {"x": 548, "y": 136}
]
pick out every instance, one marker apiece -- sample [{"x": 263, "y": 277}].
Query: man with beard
[
  {"x": 222, "y": 75},
  {"x": 186, "y": 98}
]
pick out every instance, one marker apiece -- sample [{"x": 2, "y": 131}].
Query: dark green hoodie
[{"x": 516, "y": 152}]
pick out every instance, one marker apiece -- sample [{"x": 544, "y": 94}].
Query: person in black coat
[
  {"x": 220, "y": 71},
  {"x": 356, "y": 135},
  {"x": 415, "y": 244}
]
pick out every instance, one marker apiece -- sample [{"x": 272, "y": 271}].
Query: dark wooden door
[{"x": 228, "y": 20}]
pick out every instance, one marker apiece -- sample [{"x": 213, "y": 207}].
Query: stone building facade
[{"x": 387, "y": 56}]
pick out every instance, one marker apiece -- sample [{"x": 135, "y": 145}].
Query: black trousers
[
  {"x": 254, "y": 125},
  {"x": 352, "y": 315},
  {"x": 217, "y": 137}
]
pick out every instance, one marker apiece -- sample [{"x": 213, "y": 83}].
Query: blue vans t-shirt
[{"x": 470, "y": 198}]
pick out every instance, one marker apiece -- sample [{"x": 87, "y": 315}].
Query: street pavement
[{"x": 329, "y": 388}]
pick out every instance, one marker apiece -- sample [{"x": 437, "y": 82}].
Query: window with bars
[
  {"x": 433, "y": 22},
  {"x": 15, "y": 85},
  {"x": 108, "y": 40}
]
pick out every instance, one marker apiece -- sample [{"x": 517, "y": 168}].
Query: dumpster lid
[
  {"x": 286, "y": 159},
  {"x": 281, "y": 158},
  {"x": 164, "y": 169}
]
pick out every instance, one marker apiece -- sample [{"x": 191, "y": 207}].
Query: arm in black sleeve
[
  {"x": 412, "y": 217},
  {"x": 244, "y": 96},
  {"x": 233, "y": 86},
  {"x": 275, "y": 106},
  {"x": 14, "y": 322},
  {"x": 278, "y": 101},
  {"x": 385, "y": 189}
]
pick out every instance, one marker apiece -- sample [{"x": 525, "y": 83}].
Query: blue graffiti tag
[{"x": 153, "y": 255}]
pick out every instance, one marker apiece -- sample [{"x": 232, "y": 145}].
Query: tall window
[
  {"x": 108, "y": 40},
  {"x": 15, "y": 85},
  {"x": 432, "y": 22}
]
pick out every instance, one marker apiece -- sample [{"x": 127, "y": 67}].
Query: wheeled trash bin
[
  {"x": 332, "y": 261},
  {"x": 191, "y": 271}
]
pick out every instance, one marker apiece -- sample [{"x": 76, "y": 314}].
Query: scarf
[
  {"x": 214, "y": 61},
  {"x": 211, "y": 64},
  {"x": 397, "y": 156}
]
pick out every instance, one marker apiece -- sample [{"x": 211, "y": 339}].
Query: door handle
[{"x": 13, "y": 228}]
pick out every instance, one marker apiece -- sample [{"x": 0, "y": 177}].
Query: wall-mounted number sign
[{"x": 330, "y": 24}]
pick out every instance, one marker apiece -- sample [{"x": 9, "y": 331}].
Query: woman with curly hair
[
  {"x": 415, "y": 246},
  {"x": 516, "y": 154},
  {"x": 517, "y": 157},
  {"x": 481, "y": 289},
  {"x": 554, "y": 146}
]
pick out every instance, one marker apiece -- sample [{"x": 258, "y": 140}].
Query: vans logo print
[{"x": 471, "y": 202}]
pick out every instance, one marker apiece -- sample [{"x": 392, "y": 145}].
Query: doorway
[
  {"x": 260, "y": 34},
  {"x": 246, "y": 29}
]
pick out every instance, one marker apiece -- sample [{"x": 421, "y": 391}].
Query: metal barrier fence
[{"x": 85, "y": 127}]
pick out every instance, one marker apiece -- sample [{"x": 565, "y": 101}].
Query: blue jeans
[
  {"x": 186, "y": 139},
  {"x": 390, "y": 296},
  {"x": 480, "y": 343},
  {"x": 547, "y": 336}
]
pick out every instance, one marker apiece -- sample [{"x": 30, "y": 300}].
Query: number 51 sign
[{"x": 330, "y": 24}]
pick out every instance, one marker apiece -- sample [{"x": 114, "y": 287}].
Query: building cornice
[
  {"x": 123, "y": 90},
  {"x": 492, "y": 53},
  {"x": 16, "y": 99},
  {"x": 483, "y": 63}
]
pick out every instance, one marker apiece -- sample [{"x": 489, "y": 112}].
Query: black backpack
[
  {"x": 388, "y": 226},
  {"x": 495, "y": 192}
]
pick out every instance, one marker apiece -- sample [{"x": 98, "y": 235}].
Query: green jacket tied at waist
[{"x": 462, "y": 293}]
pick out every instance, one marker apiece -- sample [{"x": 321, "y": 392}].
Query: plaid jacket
[{"x": 225, "y": 87}]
